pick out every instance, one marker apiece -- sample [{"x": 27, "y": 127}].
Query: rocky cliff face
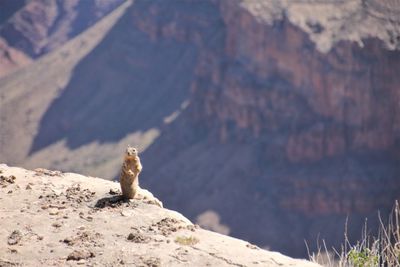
[
  {"x": 304, "y": 107},
  {"x": 273, "y": 117},
  {"x": 273, "y": 79},
  {"x": 309, "y": 132}
]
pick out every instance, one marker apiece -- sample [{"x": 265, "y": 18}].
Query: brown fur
[{"x": 129, "y": 178}]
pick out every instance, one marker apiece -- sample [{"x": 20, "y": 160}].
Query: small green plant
[
  {"x": 362, "y": 258},
  {"x": 187, "y": 240}
]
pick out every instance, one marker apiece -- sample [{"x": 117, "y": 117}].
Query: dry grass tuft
[
  {"x": 370, "y": 251},
  {"x": 187, "y": 241}
]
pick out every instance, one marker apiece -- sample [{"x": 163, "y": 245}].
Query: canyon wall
[{"x": 277, "y": 124}]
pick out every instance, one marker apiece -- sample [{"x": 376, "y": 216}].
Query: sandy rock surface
[{"x": 65, "y": 219}]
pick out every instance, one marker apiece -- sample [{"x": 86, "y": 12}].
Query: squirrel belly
[
  {"x": 129, "y": 178},
  {"x": 129, "y": 185}
]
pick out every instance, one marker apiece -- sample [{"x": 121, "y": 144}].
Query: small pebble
[
  {"x": 53, "y": 211},
  {"x": 78, "y": 255},
  {"x": 14, "y": 237},
  {"x": 67, "y": 240},
  {"x": 56, "y": 225},
  {"x": 81, "y": 262}
]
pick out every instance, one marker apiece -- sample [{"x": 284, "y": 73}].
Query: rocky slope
[
  {"x": 290, "y": 108},
  {"x": 51, "y": 218},
  {"x": 38, "y": 27}
]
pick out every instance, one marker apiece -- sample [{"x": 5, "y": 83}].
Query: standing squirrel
[{"x": 129, "y": 178}]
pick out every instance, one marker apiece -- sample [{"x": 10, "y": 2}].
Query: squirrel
[{"x": 129, "y": 178}]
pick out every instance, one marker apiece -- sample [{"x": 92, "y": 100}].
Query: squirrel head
[{"x": 131, "y": 152}]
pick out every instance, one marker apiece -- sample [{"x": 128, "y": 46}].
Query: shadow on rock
[{"x": 112, "y": 202}]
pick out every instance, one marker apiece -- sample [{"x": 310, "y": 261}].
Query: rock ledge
[{"x": 58, "y": 219}]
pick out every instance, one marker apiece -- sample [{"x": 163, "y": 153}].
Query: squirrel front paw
[{"x": 138, "y": 167}]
